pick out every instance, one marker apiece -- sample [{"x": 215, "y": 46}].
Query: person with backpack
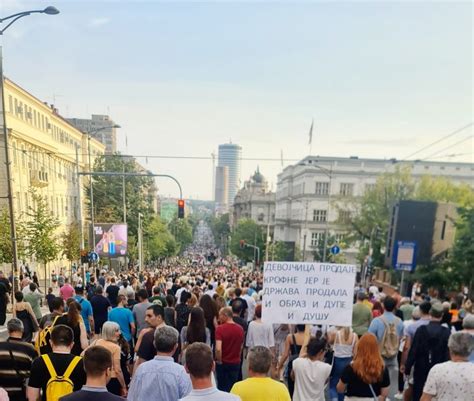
[
  {"x": 58, "y": 373},
  {"x": 388, "y": 329},
  {"x": 86, "y": 310},
  {"x": 429, "y": 347}
]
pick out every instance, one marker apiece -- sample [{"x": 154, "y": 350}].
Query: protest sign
[{"x": 308, "y": 293}]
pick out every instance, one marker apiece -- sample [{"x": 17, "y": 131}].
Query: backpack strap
[
  {"x": 49, "y": 365},
  {"x": 71, "y": 367}
]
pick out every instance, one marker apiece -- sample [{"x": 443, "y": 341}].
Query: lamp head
[
  {"x": 50, "y": 10},
  {"x": 116, "y": 126}
]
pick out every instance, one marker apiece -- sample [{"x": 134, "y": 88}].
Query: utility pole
[
  {"x": 305, "y": 231},
  {"x": 124, "y": 200},
  {"x": 140, "y": 243}
]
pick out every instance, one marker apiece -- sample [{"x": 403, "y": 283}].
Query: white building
[
  {"x": 309, "y": 191},
  {"x": 254, "y": 201}
]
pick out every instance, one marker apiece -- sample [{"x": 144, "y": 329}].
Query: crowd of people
[{"x": 190, "y": 330}]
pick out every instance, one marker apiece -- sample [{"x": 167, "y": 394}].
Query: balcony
[{"x": 39, "y": 178}]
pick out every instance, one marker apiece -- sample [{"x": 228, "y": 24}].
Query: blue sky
[{"x": 380, "y": 79}]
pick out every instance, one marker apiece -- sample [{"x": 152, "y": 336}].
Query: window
[
  {"x": 23, "y": 156},
  {"x": 322, "y": 188},
  {"x": 10, "y": 104},
  {"x": 317, "y": 238},
  {"x": 347, "y": 189},
  {"x": 15, "y": 156},
  {"x": 320, "y": 215},
  {"x": 339, "y": 237},
  {"x": 261, "y": 217},
  {"x": 369, "y": 187},
  {"x": 344, "y": 216}
]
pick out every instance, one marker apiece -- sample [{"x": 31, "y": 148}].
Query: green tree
[
  {"x": 252, "y": 234},
  {"x": 40, "y": 232},
  {"x": 6, "y": 253},
  {"x": 71, "y": 242},
  {"x": 108, "y": 192},
  {"x": 462, "y": 258},
  {"x": 220, "y": 228},
  {"x": 182, "y": 232},
  {"x": 158, "y": 241}
]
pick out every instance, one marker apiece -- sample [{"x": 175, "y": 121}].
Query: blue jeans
[
  {"x": 337, "y": 368},
  {"x": 227, "y": 376}
]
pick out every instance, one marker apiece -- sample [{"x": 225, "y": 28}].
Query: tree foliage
[
  {"x": 6, "y": 253},
  {"x": 251, "y": 233},
  {"x": 42, "y": 240},
  {"x": 108, "y": 192},
  {"x": 182, "y": 232},
  {"x": 158, "y": 241},
  {"x": 71, "y": 242}
]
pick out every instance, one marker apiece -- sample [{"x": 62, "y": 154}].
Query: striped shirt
[{"x": 15, "y": 366}]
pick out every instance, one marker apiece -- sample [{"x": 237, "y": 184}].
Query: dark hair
[
  {"x": 300, "y": 327},
  {"x": 170, "y": 300},
  {"x": 33, "y": 287},
  {"x": 56, "y": 303},
  {"x": 184, "y": 297},
  {"x": 199, "y": 360},
  {"x": 389, "y": 303},
  {"x": 196, "y": 331},
  {"x": 238, "y": 292},
  {"x": 156, "y": 290},
  {"x": 209, "y": 307},
  {"x": 142, "y": 294},
  {"x": 158, "y": 310},
  {"x": 315, "y": 346},
  {"x": 425, "y": 307},
  {"x": 237, "y": 306},
  {"x": 62, "y": 335},
  {"x": 258, "y": 311},
  {"x": 97, "y": 360},
  {"x": 18, "y": 296},
  {"x": 73, "y": 312}
]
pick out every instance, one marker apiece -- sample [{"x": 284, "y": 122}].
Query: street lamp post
[{"x": 12, "y": 19}]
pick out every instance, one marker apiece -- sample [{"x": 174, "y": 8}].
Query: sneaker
[{"x": 399, "y": 396}]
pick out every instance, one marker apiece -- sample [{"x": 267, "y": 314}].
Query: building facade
[
  {"x": 101, "y": 127},
  {"x": 312, "y": 195},
  {"x": 230, "y": 155},
  {"x": 254, "y": 201},
  {"x": 42, "y": 151},
  {"x": 221, "y": 195}
]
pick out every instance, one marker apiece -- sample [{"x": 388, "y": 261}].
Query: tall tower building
[
  {"x": 101, "y": 128},
  {"x": 230, "y": 155},
  {"x": 222, "y": 190}
]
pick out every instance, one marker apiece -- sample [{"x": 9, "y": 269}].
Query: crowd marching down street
[{"x": 192, "y": 330}]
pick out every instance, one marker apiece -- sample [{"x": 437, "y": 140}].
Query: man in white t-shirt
[
  {"x": 250, "y": 303},
  {"x": 311, "y": 374},
  {"x": 200, "y": 365},
  {"x": 452, "y": 380}
]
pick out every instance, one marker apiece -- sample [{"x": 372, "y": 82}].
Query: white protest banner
[{"x": 308, "y": 293}]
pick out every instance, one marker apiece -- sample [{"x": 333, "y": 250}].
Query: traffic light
[
  {"x": 242, "y": 244},
  {"x": 181, "y": 209}
]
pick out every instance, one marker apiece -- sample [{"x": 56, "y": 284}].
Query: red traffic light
[{"x": 180, "y": 208}]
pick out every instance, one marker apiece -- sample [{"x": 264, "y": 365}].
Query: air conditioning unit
[{"x": 39, "y": 178}]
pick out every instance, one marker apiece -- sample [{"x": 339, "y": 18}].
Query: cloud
[{"x": 100, "y": 21}]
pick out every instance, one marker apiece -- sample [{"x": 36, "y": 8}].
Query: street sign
[
  {"x": 404, "y": 255},
  {"x": 93, "y": 257},
  {"x": 335, "y": 249}
]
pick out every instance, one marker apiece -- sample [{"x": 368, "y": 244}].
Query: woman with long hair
[
  {"x": 110, "y": 336},
  {"x": 73, "y": 319},
  {"x": 293, "y": 344},
  {"x": 195, "y": 331},
  {"x": 343, "y": 342},
  {"x": 366, "y": 377},
  {"x": 211, "y": 312}
]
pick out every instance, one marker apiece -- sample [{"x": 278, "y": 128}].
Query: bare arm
[
  {"x": 132, "y": 329},
  {"x": 426, "y": 397},
  {"x": 219, "y": 351},
  {"x": 84, "y": 340},
  {"x": 341, "y": 387},
  {"x": 33, "y": 393},
  {"x": 285, "y": 354},
  {"x": 383, "y": 393}
]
